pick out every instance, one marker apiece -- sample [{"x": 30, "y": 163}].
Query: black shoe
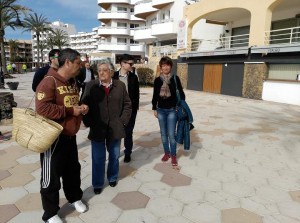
[
  {"x": 97, "y": 190},
  {"x": 127, "y": 159},
  {"x": 191, "y": 126},
  {"x": 113, "y": 183}
]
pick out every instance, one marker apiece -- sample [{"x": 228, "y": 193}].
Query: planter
[{"x": 12, "y": 85}]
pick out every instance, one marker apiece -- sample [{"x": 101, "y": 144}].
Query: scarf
[{"x": 165, "y": 90}]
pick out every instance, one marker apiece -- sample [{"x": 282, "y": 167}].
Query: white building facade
[
  {"x": 68, "y": 28},
  {"x": 116, "y": 34}
]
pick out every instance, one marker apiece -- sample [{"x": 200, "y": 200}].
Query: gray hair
[{"x": 108, "y": 63}]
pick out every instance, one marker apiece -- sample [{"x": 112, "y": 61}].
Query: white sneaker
[
  {"x": 55, "y": 219},
  {"x": 79, "y": 206}
]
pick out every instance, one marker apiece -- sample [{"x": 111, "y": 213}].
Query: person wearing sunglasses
[
  {"x": 131, "y": 82},
  {"x": 41, "y": 72}
]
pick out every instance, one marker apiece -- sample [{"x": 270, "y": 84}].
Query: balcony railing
[{"x": 283, "y": 36}]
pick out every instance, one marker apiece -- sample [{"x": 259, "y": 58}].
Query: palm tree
[
  {"x": 13, "y": 46},
  {"x": 8, "y": 15},
  {"x": 59, "y": 38},
  {"x": 37, "y": 24}
]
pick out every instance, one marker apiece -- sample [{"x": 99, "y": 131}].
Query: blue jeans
[
  {"x": 128, "y": 141},
  {"x": 98, "y": 161},
  {"x": 167, "y": 119}
]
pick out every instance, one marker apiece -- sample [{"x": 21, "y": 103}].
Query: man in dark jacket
[
  {"x": 86, "y": 75},
  {"x": 132, "y": 85},
  {"x": 41, "y": 72}
]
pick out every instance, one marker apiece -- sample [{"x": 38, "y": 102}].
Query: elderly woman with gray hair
[{"x": 109, "y": 112}]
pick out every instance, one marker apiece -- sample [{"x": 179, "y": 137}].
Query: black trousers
[
  {"x": 60, "y": 161},
  {"x": 128, "y": 140}
]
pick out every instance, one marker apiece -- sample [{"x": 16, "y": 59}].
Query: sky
[{"x": 81, "y": 13}]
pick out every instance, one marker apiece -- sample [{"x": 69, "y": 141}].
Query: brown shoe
[
  {"x": 174, "y": 161},
  {"x": 165, "y": 157}
]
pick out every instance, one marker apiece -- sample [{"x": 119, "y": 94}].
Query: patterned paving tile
[
  {"x": 82, "y": 155},
  {"x": 232, "y": 143},
  {"x": 269, "y": 138},
  {"x": 7, "y": 212},
  {"x": 137, "y": 216},
  {"x": 176, "y": 179},
  {"x": 154, "y": 143},
  {"x": 31, "y": 202},
  {"x": 16, "y": 180},
  {"x": 125, "y": 171},
  {"x": 165, "y": 206},
  {"x": 166, "y": 168},
  {"x": 25, "y": 168},
  {"x": 4, "y": 174},
  {"x": 295, "y": 195},
  {"x": 237, "y": 215},
  {"x": 130, "y": 200},
  {"x": 201, "y": 212}
]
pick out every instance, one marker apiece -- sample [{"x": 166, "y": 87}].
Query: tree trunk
[
  {"x": 38, "y": 49},
  {"x": 3, "y": 61}
]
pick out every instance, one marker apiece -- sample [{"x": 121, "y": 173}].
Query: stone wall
[
  {"x": 254, "y": 74},
  {"x": 182, "y": 72},
  {"x": 6, "y": 104}
]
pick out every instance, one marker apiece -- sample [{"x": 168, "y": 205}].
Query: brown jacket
[
  {"x": 55, "y": 98},
  {"x": 108, "y": 114}
]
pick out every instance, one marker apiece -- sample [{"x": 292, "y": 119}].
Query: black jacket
[
  {"x": 171, "y": 102},
  {"x": 38, "y": 76},
  {"x": 81, "y": 76},
  {"x": 133, "y": 89}
]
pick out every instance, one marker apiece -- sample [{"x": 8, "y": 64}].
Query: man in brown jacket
[{"x": 57, "y": 98}]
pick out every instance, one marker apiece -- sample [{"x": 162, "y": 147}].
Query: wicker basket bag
[{"x": 34, "y": 131}]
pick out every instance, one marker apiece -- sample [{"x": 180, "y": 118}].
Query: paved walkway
[{"x": 243, "y": 167}]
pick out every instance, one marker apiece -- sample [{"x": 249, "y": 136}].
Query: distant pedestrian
[
  {"x": 24, "y": 68},
  {"x": 9, "y": 68},
  {"x": 86, "y": 75},
  {"x": 14, "y": 67},
  {"x": 41, "y": 72}
]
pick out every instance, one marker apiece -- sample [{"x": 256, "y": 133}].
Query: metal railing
[{"x": 283, "y": 36}]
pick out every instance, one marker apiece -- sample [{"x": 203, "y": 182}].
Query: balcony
[
  {"x": 143, "y": 9},
  {"x": 283, "y": 36},
  {"x": 137, "y": 48},
  {"x": 143, "y": 34},
  {"x": 107, "y": 31},
  {"x": 113, "y": 47},
  {"x": 107, "y": 3},
  {"x": 159, "y": 4},
  {"x": 106, "y": 16},
  {"x": 164, "y": 28}
]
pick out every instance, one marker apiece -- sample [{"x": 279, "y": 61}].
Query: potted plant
[{"x": 13, "y": 85}]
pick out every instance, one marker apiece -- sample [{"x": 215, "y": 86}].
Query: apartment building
[
  {"x": 116, "y": 34},
  {"x": 257, "y": 56},
  {"x": 18, "y": 51},
  {"x": 84, "y": 42},
  {"x": 70, "y": 29}
]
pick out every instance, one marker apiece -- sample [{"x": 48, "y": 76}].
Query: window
[
  {"x": 122, "y": 9},
  {"x": 121, "y": 40},
  {"x": 122, "y": 25}
]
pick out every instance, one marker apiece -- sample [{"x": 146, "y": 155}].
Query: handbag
[{"x": 34, "y": 131}]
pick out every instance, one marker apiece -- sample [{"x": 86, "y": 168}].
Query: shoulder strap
[{"x": 177, "y": 91}]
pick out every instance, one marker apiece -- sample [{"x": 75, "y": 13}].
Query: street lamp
[{"x": 2, "y": 33}]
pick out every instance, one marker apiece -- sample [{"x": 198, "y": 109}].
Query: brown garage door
[{"x": 212, "y": 78}]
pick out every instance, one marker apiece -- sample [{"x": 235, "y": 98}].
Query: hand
[
  {"x": 85, "y": 109},
  {"x": 77, "y": 110},
  {"x": 155, "y": 113}
]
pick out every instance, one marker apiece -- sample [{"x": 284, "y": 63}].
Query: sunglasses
[
  {"x": 54, "y": 57},
  {"x": 131, "y": 64}
]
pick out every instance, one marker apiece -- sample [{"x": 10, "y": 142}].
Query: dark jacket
[
  {"x": 133, "y": 89},
  {"x": 38, "y": 76},
  {"x": 108, "y": 114},
  {"x": 170, "y": 102},
  {"x": 185, "y": 117},
  {"x": 82, "y": 75}
]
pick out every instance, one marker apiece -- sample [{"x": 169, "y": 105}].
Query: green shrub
[{"x": 146, "y": 76}]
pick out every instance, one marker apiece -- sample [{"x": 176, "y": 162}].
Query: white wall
[{"x": 283, "y": 92}]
